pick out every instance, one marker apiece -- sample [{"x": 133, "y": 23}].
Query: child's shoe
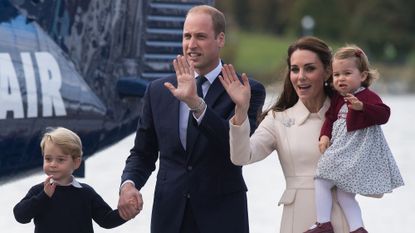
[
  {"x": 322, "y": 228},
  {"x": 360, "y": 230}
]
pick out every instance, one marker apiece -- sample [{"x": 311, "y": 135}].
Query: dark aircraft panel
[
  {"x": 80, "y": 64},
  {"x": 35, "y": 51},
  {"x": 40, "y": 87}
]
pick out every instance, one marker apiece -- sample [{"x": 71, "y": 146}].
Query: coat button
[
  {"x": 189, "y": 168},
  {"x": 187, "y": 195}
]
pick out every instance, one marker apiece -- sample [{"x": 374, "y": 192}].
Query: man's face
[{"x": 200, "y": 45}]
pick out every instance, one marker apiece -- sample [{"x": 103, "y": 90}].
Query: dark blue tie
[
  {"x": 191, "y": 124},
  {"x": 199, "y": 82}
]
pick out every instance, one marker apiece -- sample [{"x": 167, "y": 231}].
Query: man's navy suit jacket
[{"x": 203, "y": 175}]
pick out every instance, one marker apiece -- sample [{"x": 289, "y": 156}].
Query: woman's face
[{"x": 307, "y": 74}]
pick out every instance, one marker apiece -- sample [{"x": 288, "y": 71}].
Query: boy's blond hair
[{"x": 68, "y": 141}]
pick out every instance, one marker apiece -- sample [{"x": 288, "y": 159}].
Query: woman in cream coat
[{"x": 291, "y": 127}]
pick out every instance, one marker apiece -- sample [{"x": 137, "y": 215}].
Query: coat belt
[
  {"x": 294, "y": 183},
  {"x": 299, "y": 182}
]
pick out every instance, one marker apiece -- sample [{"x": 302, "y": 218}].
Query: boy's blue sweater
[{"x": 69, "y": 210}]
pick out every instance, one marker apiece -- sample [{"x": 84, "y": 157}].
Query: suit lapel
[
  {"x": 173, "y": 112},
  {"x": 215, "y": 91}
]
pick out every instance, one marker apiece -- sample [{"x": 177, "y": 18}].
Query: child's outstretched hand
[
  {"x": 49, "y": 186},
  {"x": 323, "y": 144},
  {"x": 353, "y": 102}
]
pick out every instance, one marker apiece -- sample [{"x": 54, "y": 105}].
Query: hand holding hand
[
  {"x": 186, "y": 90},
  {"x": 353, "y": 102},
  {"x": 49, "y": 186},
  {"x": 130, "y": 202},
  {"x": 240, "y": 92},
  {"x": 323, "y": 144}
]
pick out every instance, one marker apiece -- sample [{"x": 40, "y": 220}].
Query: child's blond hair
[
  {"x": 362, "y": 62},
  {"x": 68, "y": 141}
]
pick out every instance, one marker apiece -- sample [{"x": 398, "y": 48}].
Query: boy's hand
[
  {"x": 353, "y": 102},
  {"x": 49, "y": 186},
  {"x": 323, "y": 144}
]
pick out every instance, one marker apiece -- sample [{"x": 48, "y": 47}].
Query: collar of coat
[{"x": 300, "y": 113}]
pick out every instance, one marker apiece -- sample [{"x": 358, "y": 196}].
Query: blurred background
[{"x": 259, "y": 32}]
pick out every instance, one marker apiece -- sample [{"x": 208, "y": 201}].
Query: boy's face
[{"x": 58, "y": 164}]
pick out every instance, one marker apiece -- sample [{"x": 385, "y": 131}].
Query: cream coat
[{"x": 294, "y": 134}]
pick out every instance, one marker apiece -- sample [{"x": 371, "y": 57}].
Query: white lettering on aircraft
[
  {"x": 31, "y": 90},
  {"x": 50, "y": 84},
  {"x": 10, "y": 96}
]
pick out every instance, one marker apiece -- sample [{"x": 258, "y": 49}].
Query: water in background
[{"x": 393, "y": 213}]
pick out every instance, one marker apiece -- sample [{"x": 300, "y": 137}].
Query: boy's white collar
[{"x": 74, "y": 183}]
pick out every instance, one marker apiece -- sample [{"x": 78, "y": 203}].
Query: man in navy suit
[{"x": 198, "y": 189}]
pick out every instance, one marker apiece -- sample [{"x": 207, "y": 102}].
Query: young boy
[{"x": 60, "y": 203}]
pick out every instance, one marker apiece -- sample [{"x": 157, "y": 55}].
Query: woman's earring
[{"x": 326, "y": 83}]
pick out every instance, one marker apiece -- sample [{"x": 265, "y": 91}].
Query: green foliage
[
  {"x": 261, "y": 56},
  {"x": 385, "y": 28}
]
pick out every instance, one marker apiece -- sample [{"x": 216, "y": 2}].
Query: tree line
[{"x": 386, "y": 28}]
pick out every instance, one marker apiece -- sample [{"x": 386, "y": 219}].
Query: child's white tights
[{"x": 346, "y": 200}]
